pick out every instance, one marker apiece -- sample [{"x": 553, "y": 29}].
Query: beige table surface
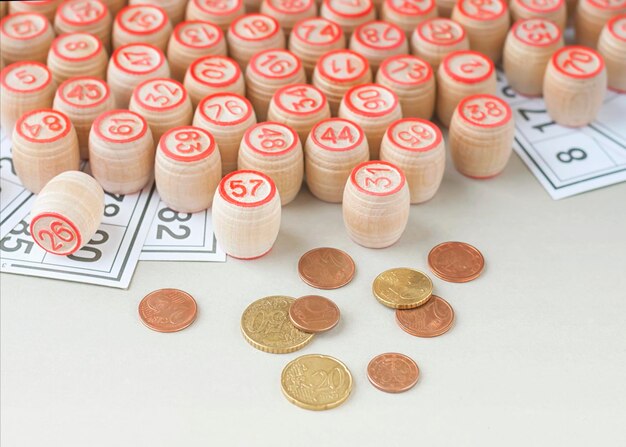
[{"x": 537, "y": 356}]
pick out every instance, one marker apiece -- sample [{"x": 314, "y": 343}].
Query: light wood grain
[
  {"x": 99, "y": 22},
  {"x": 25, "y": 37},
  {"x": 310, "y": 46},
  {"x": 77, "y": 54},
  {"x": 433, "y": 46},
  {"x": 142, "y": 23},
  {"x": 612, "y": 47}
]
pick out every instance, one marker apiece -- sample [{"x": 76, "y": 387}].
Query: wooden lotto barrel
[
  {"x": 220, "y": 13},
  {"x": 527, "y": 51},
  {"x": 252, "y": 33},
  {"x": 77, "y": 54},
  {"x": 378, "y": 40},
  {"x": 334, "y": 147},
  {"x": 174, "y": 9},
  {"x": 300, "y": 106},
  {"x": 67, "y": 213},
  {"x": 164, "y": 103},
  {"x": 267, "y": 72},
  {"x": 348, "y": 15},
  {"x": 187, "y": 169},
  {"x": 83, "y": 99},
  {"x": 121, "y": 151},
  {"x": 24, "y": 86},
  {"x": 481, "y": 136},
  {"x": 213, "y": 74},
  {"x": 46, "y": 8},
  {"x": 592, "y": 15},
  {"x": 275, "y": 150},
  {"x": 461, "y": 74},
  {"x": 142, "y": 23},
  {"x": 25, "y": 36},
  {"x": 612, "y": 47},
  {"x": 407, "y": 14},
  {"x": 44, "y": 145},
  {"x": 552, "y": 10},
  {"x": 373, "y": 107},
  {"x": 574, "y": 85},
  {"x": 412, "y": 79},
  {"x": 311, "y": 39},
  {"x": 337, "y": 72},
  {"x": 486, "y": 24},
  {"x": 246, "y": 214},
  {"x": 190, "y": 41},
  {"x": 288, "y": 13},
  {"x": 376, "y": 204},
  {"x": 435, "y": 38},
  {"x": 227, "y": 116},
  {"x": 416, "y": 146},
  {"x": 132, "y": 64},
  {"x": 85, "y": 16}
]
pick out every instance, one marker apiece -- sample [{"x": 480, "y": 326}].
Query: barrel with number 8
[
  {"x": 77, "y": 54},
  {"x": 376, "y": 204},
  {"x": 85, "y": 16},
  {"x": 246, "y": 214},
  {"x": 187, "y": 169},
  {"x": 67, "y": 213}
]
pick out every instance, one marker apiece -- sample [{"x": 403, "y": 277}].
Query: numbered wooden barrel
[
  {"x": 337, "y": 72},
  {"x": 77, "y": 54},
  {"x": 121, "y": 151},
  {"x": 373, "y": 107},
  {"x": 83, "y": 99},
  {"x": 527, "y": 51},
  {"x": 132, "y": 64},
  {"x": 246, "y": 214},
  {"x": 85, "y": 16},
  {"x": 24, "y": 86},
  {"x": 481, "y": 136},
  {"x": 411, "y": 78},
  {"x": 552, "y": 10},
  {"x": 190, "y": 41},
  {"x": 44, "y": 145},
  {"x": 164, "y": 103},
  {"x": 591, "y": 16},
  {"x": 574, "y": 85},
  {"x": 311, "y": 39},
  {"x": 213, "y": 74},
  {"x": 300, "y": 106},
  {"x": 407, "y": 14},
  {"x": 376, "y": 203},
  {"x": 435, "y": 38},
  {"x": 334, "y": 147},
  {"x": 275, "y": 150},
  {"x": 67, "y": 213},
  {"x": 174, "y": 9},
  {"x": 226, "y": 116},
  {"x": 187, "y": 169},
  {"x": 220, "y": 13},
  {"x": 486, "y": 23},
  {"x": 252, "y": 33},
  {"x": 416, "y": 146},
  {"x": 461, "y": 74},
  {"x": 45, "y": 7},
  {"x": 267, "y": 72},
  {"x": 612, "y": 47},
  {"x": 287, "y": 13},
  {"x": 378, "y": 40},
  {"x": 25, "y": 37},
  {"x": 142, "y": 24},
  {"x": 348, "y": 15}
]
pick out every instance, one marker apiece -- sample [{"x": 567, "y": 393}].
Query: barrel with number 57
[
  {"x": 187, "y": 169},
  {"x": 376, "y": 204},
  {"x": 246, "y": 214},
  {"x": 67, "y": 213}
]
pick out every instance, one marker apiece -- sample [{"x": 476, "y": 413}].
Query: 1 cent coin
[
  {"x": 167, "y": 310},
  {"x": 393, "y": 372},
  {"x": 456, "y": 261},
  {"x": 314, "y": 314},
  {"x": 326, "y": 268},
  {"x": 402, "y": 288},
  {"x": 430, "y": 320}
]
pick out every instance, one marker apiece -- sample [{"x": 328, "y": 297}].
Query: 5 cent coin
[
  {"x": 314, "y": 314},
  {"x": 456, "y": 261},
  {"x": 402, "y": 288},
  {"x": 167, "y": 310},
  {"x": 430, "y": 320},
  {"x": 326, "y": 268},
  {"x": 393, "y": 372}
]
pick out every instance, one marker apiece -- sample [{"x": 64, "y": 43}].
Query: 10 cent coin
[{"x": 402, "y": 288}]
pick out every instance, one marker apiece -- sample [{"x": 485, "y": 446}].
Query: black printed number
[
  {"x": 89, "y": 253},
  {"x": 169, "y": 215},
  {"x": 570, "y": 155},
  {"x": 9, "y": 244}
]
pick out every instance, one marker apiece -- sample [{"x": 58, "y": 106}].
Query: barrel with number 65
[
  {"x": 67, "y": 213},
  {"x": 246, "y": 214}
]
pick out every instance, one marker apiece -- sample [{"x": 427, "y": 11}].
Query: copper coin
[
  {"x": 430, "y": 320},
  {"x": 393, "y": 372},
  {"x": 167, "y": 310},
  {"x": 326, "y": 268},
  {"x": 456, "y": 261},
  {"x": 314, "y": 314}
]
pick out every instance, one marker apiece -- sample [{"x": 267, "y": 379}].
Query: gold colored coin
[
  {"x": 316, "y": 382},
  {"x": 265, "y": 324},
  {"x": 402, "y": 288}
]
